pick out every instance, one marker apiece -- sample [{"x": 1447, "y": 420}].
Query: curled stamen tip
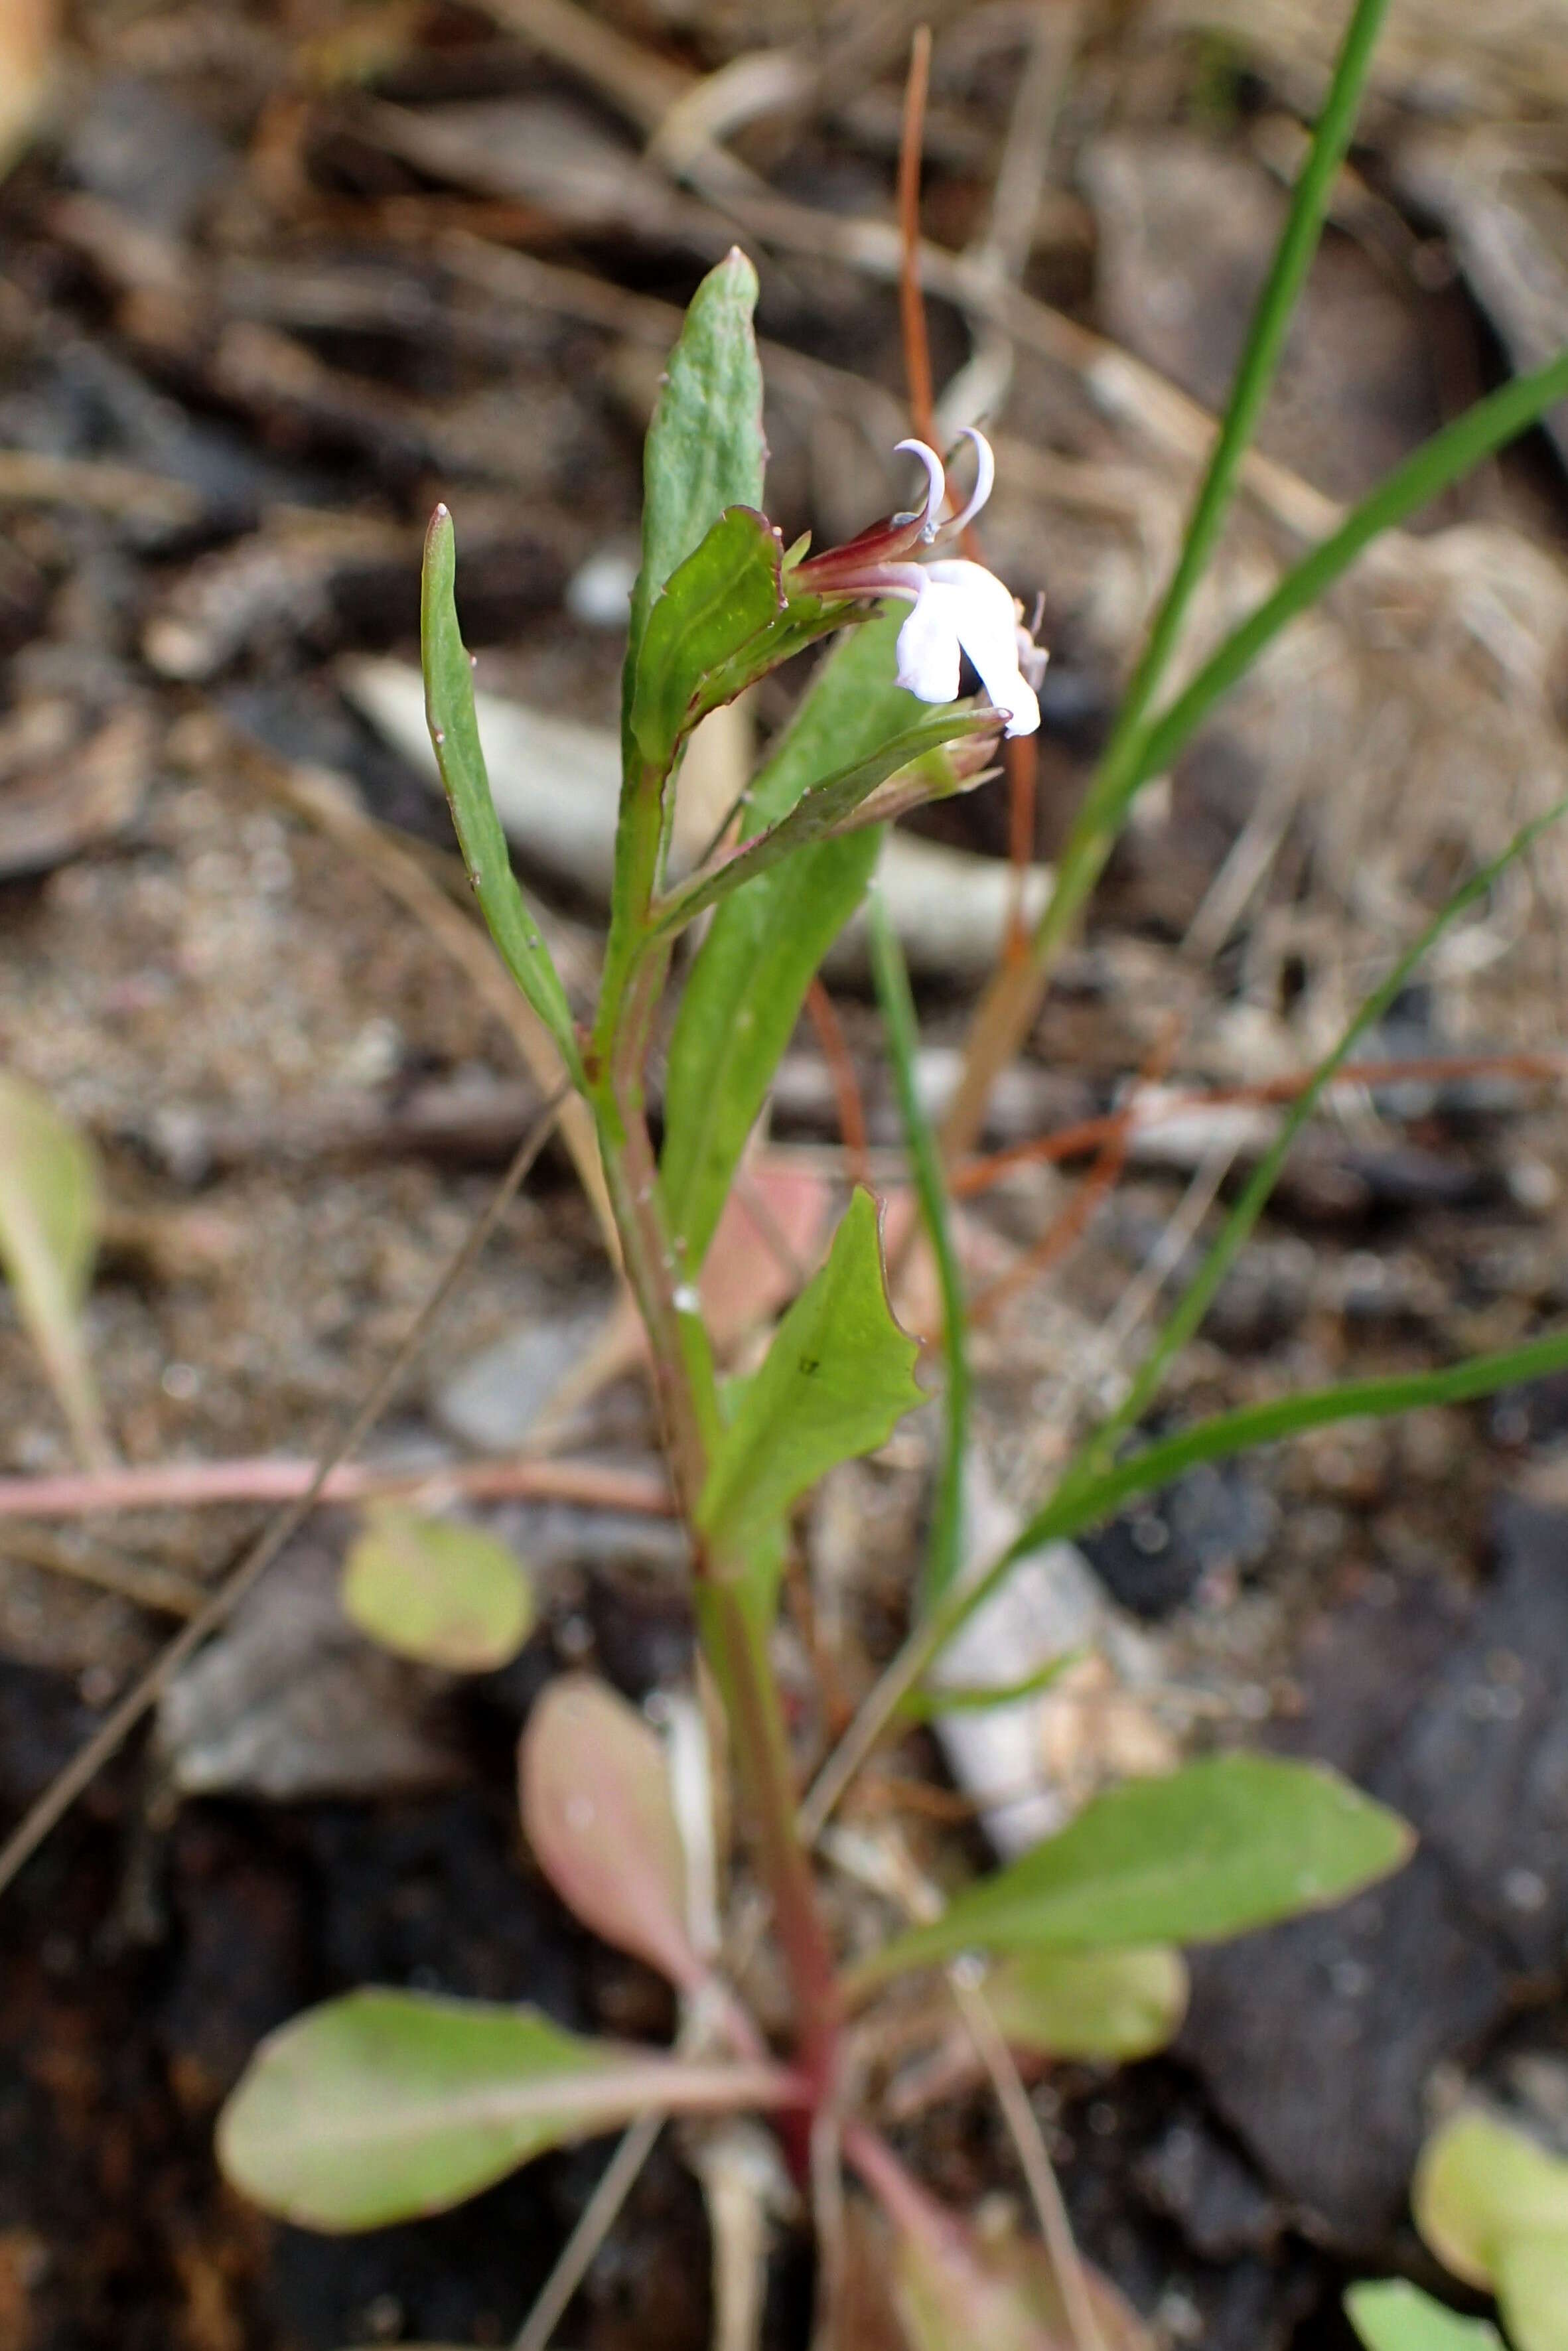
[
  {"x": 985, "y": 476},
  {"x": 937, "y": 478}
]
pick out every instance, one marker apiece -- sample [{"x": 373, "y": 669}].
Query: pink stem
[{"x": 194, "y": 1485}]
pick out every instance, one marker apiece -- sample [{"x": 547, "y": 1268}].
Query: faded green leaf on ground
[
  {"x": 1493, "y": 2206},
  {"x": 51, "y": 1214},
  {"x": 1109, "y": 2005},
  {"x": 1389, "y": 2314},
  {"x": 438, "y": 1590}
]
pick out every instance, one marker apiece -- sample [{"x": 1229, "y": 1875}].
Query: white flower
[
  {"x": 962, "y": 606},
  {"x": 959, "y": 607}
]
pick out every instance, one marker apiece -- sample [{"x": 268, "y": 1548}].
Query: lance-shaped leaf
[
  {"x": 1493, "y": 2206},
  {"x": 1222, "y": 1845},
  {"x": 1106, "y": 2005},
  {"x": 744, "y": 992},
  {"x": 454, "y": 734},
  {"x": 597, "y": 1813},
  {"x": 837, "y": 1379},
  {"x": 1390, "y": 2314},
  {"x": 438, "y": 1590},
  {"x": 383, "y": 2106},
  {"x": 50, "y": 1217},
  {"x": 829, "y": 806},
  {"x": 704, "y": 449}
]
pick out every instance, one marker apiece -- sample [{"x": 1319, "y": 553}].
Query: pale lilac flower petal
[
  {"x": 929, "y": 645},
  {"x": 985, "y": 480}
]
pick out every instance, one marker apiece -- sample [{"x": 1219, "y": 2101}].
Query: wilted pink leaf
[{"x": 597, "y": 1812}]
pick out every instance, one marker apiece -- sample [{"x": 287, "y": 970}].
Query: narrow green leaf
[
  {"x": 837, "y": 1379},
  {"x": 1425, "y": 474},
  {"x": 1108, "y": 2005},
  {"x": 1391, "y": 2316},
  {"x": 944, "y": 1544},
  {"x": 823, "y": 809},
  {"x": 51, "y": 1214},
  {"x": 438, "y": 1590},
  {"x": 384, "y": 2105},
  {"x": 745, "y": 988},
  {"x": 1221, "y": 1847},
  {"x": 704, "y": 449},
  {"x": 1478, "y": 2186},
  {"x": 454, "y": 734},
  {"x": 928, "y": 1705}
]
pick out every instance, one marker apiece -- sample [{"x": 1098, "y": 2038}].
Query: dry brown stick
[
  {"x": 85, "y": 1764},
  {"x": 911, "y": 296},
  {"x": 282, "y": 1477},
  {"x": 31, "y": 478},
  {"x": 157, "y": 1588},
  {"x": 841, "y": 1065}
]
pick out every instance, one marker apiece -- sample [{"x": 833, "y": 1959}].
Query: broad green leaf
[
  {"x": 596, "y": 1806},
  {"x": 383, "y": 2106},
  {"x": 837, "y": 1379},
  {"x": 1533, "y": 2289},
  {"x": 454, "y": 734},
  {"x": 1223, "y": 1846},
  {"x": 825, "y": 807},
  {"x": 51, "y": 1213},
  {"x": 1478, "y": 2186},
  {"x": 1111, "y": 2004},
  {"x": 745, "y": 988},
  {"x": 1391, "y": 2316},
  {"x": 438, "y": 1590},
  {"x": 704, "y": 449}
]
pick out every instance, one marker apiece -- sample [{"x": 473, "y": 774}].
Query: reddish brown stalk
[
  {"x": 835, "y": 1052},
  {"x": 1089, "y": 1134},
  {"x": 201, "y": 1485},
  {"x": 911, "y": 299},
  {"x": 1021, "y": 753}
]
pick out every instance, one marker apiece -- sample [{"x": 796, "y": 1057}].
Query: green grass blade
[
  {"x": 944, "y": 1543},
  {"x": 455, "y": 733},
  {"x": 1185, "y": 1318},
  {"x": 1426, "y": 472}
]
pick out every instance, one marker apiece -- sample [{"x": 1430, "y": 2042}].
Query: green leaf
[
  {"x": 383, "y": 2106},
  {"x": 704, "y": 449},
  {"x": 454, "y": 734},
  {"x": 1391, "y": 2316},
  {"x": 1478, "y": 2187},
  {"x": 438, "y": 1590},
  {"x": 727, "y": 593},
  {"x": 1113, "y": 2005},
  {"x": 1223, "y": 1846},
  {"x": 51, "y": 1213},
  {"x": 597, "y": 1814},
  {"x": 1533, "y": 2289},
  {"x": 745, "y": 988},
  {"x": 825, "y": 807},
  {"x": 835, "y": 1382}
]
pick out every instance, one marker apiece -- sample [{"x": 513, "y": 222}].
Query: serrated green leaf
[
  {"x": 745, "y": 988},
  {"x": 438, "y": 1590},
  {"x": 1389, "y": 2314},
  {"x": 51, "y": 1213},
  {"x": 704, "y": 449},
  {"x": 1112, "y": 2005},
  {"x": 1478, "y": 2186},
  {"x": 454, "y": 734},
  {"x": 725, "y": 594},
  {"x": 837, "y": 1379},
  {"x": 1219, "y": 1847},
  {"x": 383, "y": 2106}
]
